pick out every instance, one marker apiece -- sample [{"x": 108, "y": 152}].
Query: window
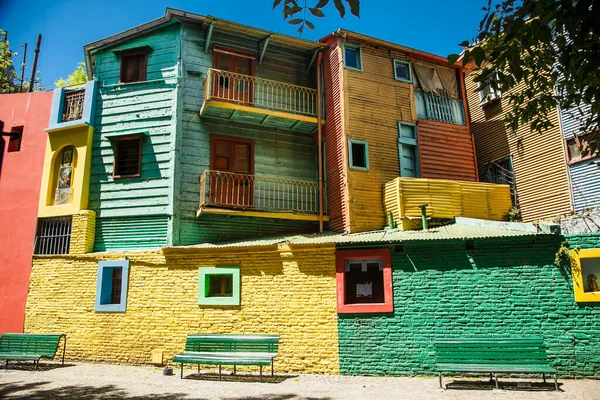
[
  {"x": 358, "y": 154},
  {"x": 487, "y": 94},
  {"x": 402, "y": 71},
  {"x": 73, "y": 105},
  {"x": 53, "y": 235},
  {"x": 111, "y": 286},
  {"x": 14, "y": 143},
  {"x": 408, "y": 150},
  {"x": 352, "y": 57},
  {"x": 219, "y": 286},
  {"x": 575, "y": 146},
  {"x": 585, "y": 268},
  {"x": 364, "y": 281},
  {"x": 128, "y": 156},
  {"x": 64, "y": 176},
  {"x": 133, "y": 67}
]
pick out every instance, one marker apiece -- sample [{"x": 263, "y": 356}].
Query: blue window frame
[
  {"x": 111, "y": 286},
  {"x": 408, "y": 150},
  {"x": 402, "y": 71},
  {"x": 358, "y": 154},
  {"x": 352, "y": 57}
]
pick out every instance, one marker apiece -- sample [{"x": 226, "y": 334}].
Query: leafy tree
[
  {"x": 295, "y": 14},
  {"x": 540, "y": 53},
  {"x": 77, "y": 77},
  {"x": 7, "y": 71}
]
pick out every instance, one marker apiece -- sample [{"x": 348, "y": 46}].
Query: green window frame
[
  {"x": 353, "y": 152},
  {"x": 408, "y": 144},
  {"x": 352, "y": 57},
  {"x": 407, "y": 65},
  {"x": 208, "y": 297},
  {"x": 111, "y": 286}
]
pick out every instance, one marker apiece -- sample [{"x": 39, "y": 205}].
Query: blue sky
[{"x": 67, "y": 25}]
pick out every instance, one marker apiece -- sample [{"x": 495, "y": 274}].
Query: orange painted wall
[{"x": 20, "y": 177}]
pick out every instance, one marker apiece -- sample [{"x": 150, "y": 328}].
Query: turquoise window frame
[
  {"x": 204, "y": 274},
  {"x": 358, "y": 55},
  {"x": 350, "y": 164},
  {"x": 104, "y": 285},
  {"x": 414, "y": 143},
  {"x": 407, "y": 63}
]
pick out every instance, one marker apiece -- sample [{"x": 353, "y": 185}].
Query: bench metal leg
[
  {"x": 491, "y": 378},
  {"x": 198, "y": 368},
  {"x": 261, "y": 374},
  {"x": 271, "y": 367},
  {"x": 496, "y": 376},
  {"x": 64, "y": 349},
  {"x": 441, "y": 387},
  {"x": 36, "y": 363},
  {"x": 6, "y": 364},
  {"x": 219, "y": 372},
  {"x": 555, "y": 383},
  {"x": 544, "y": 377},
  {"x": 181, "y": 370},
  {"x": 234, "y": 369}
]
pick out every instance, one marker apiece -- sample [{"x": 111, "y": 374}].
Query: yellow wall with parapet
[
  {"x": 288, "y": 291},
  {"x": 81, "y": 138}
]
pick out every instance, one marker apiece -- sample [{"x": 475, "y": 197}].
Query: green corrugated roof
[{"x": 463, "y": 228}]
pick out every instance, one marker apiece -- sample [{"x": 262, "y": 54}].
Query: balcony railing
[
  {"x": 264, "y": 193},
  {"x": 259, "y": 92},
  {"x": 439, "y": 108},
  {"x": 73, "y": 105}
]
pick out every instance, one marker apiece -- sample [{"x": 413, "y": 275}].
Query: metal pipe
[
  {"x": 35, "y": 61},
  {"x": 23, "y": 68},
  {"x": 320, "y": 141},
  {"x": 424, "y": 216}
]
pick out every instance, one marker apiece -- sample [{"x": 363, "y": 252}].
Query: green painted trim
[
  {"x": 356, "y": 141},
  {"x": 203, "y": 282},
  {"x": 116, "y": 85},
  {"x": 209, "y": 36},
  {"x": 359, "y": 53},
  {"x": 409, "y": 71},
  {"x": 263, "y": 50}
]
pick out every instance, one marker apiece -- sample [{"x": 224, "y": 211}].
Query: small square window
[
  {"x": 219, "y": 286},
  {"x": 402, "y": 71},
  {"x": 575, "y": 146},
  {"x": 358, "y": 154},
  {"x": 111, "y": 287},
  {"x": 128, "y": 155},
  {"x": 14, "y": 143},
  {"x": 133, "y": 67},
  {"x": 364, "y": 281},
  {"x": 585, "y": 268},
  {"x": 352, "y": 57}
]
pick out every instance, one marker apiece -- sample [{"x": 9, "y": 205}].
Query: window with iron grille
[
  {"x": 53, "y": 235},
  {"x": 128, "y": 155},
  {"x": 73, "y": 105}
]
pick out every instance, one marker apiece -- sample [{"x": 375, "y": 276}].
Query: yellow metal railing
[
  {"x": 404, "y": 197},
  {"x": 259, "y": 92},
  {"x": 267, "y": 193}
]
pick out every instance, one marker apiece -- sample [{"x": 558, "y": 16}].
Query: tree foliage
[
  {"x": 294, "y": 14},
  {"x": 7, "y": 71},
  {"x": 540, "y": 53},
  {"x": 77, "y": 77}
]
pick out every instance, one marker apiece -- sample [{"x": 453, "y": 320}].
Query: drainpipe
[
  {"x": 319, "y": 140},
  {"x": 424, "y": 216}
]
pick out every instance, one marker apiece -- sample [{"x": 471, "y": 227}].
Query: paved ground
[{"x": 100, "y": 381}]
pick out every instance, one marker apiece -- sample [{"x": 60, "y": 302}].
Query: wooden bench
[
  {"x": 30, "y": 347},
  {"x": 494, "y": 355},
  {"x": 233, "y": 350}
]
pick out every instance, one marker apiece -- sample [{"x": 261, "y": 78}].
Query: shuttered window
[
  {"x": 133, "y": 67},
  {"x": 408, "y": 150},
  {"x": 128, "y": 154}
]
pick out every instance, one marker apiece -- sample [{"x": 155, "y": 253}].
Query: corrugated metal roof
[{"x": 464, "y": 228}]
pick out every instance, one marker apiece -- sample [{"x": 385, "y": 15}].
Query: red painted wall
[{"x": 20, "y": 178}]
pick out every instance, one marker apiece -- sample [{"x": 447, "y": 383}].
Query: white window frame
[
  {"x": 358, "y": 55},
  {"x": 407, "y": 63}
]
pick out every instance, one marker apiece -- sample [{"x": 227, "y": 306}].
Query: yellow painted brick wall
[
  {"x": 289, "y": 291},
  {"x": 83, "y": 231}
]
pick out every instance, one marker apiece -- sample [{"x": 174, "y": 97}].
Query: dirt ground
[{"x": 102, "y": 381}]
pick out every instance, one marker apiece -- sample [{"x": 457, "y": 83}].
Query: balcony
[
  {"x": 258, "y": 196},
  {"x": 439, "y": 108},
  {"x": 404, "y": 197},
  {"x": 258, "y": 101}
]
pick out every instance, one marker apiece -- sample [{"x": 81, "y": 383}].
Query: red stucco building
[{"x": 22, "y": 147}]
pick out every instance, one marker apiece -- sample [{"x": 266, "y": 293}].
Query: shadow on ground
[
  {"x": 508, "y": 386},
  {"x": 22, "y": 366},
  {"x": 36, "y": 391},
  {"x": 238, "y": 378}
]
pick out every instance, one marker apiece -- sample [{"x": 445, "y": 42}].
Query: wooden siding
[
  {"x": 147, "y": 108},
  {"x": 276, "y": 152},
  {"x": 538, "y": 159},
  {"x": 446, "y": 151},
  {"x": 335, "y": 143}
]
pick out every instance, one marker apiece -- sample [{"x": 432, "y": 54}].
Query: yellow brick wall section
[
  {"x": 83, "y": 230},
  {"x": 289, "y": 291}
]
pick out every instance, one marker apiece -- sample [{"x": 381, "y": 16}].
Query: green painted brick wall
[{"x": 502, "y": 287}]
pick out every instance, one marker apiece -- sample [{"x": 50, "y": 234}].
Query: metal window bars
[
  {"x": 73, "y": 105},
  {"x": 53, "y": 235}
]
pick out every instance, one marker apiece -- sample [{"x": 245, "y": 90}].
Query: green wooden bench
[
  {"x": 30, "y": 347},
  {"x": 233, "y": 350},
  {"x": 494, "y": 355}
]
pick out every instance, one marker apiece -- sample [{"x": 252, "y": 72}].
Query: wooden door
[
  {"x": 234, "y": 187},
  {"x": 233, "y": 87}
]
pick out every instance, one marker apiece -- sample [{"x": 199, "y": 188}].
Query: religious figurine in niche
[{"x": 592, "y": 284}]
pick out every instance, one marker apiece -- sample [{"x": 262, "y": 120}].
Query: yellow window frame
[{"x": 581, "y": 296}]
